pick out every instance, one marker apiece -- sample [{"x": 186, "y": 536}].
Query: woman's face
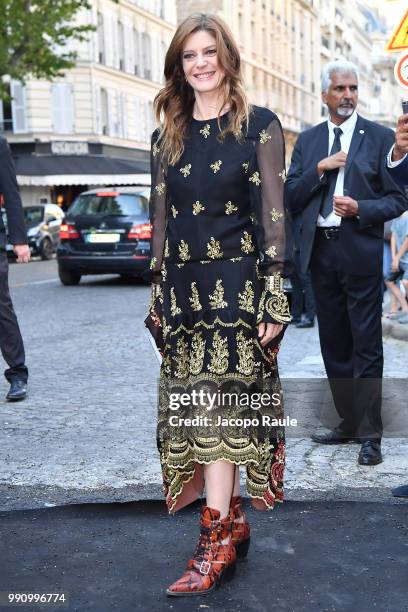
[{"x": 200, "y": 63}]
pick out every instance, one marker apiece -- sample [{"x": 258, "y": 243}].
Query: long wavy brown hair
[{"x": 174, "y": 103}]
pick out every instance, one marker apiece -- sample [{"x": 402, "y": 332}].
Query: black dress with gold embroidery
[{"x": 218, "y": 252}]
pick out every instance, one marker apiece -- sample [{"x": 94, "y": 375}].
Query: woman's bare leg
[
  {"x": 219, "y": 483},
  {"x": 237, "y": 488},
  {"x": 397, "y": 293}
]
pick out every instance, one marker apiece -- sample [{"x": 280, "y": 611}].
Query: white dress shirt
[
  {"x": 393, "y": 164},
  {"x": 347, "y": 128}
]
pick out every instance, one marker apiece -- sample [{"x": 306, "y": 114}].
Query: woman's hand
[
  {"x": 268, "y": 331},
  {"x": 395, "y": 264}
]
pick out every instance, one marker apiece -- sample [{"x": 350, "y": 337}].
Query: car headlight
[{"x": 33, "y": 233}]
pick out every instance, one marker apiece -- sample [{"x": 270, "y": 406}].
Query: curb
[{"x": 395, "y": 330}]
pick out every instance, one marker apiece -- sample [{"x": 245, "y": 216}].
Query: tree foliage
[{"x": 35, "y": 37}]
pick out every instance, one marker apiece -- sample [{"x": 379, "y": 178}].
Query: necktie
[{"x": 327, "y": 201}]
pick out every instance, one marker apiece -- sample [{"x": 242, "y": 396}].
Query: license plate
[{"x": 103, "y": 238}]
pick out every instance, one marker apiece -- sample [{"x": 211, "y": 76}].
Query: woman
[{"x": 218, "y": 247}]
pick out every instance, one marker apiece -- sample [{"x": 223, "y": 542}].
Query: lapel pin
[{"x": 361, "y": 131}]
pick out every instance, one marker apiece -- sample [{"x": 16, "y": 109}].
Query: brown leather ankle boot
[
  {"x": 241, "y": 531},
  {"x": 213, "y": 562}
]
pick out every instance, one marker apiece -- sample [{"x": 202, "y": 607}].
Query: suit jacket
[
  {"x": 367, "y": 181},
  {"x": 14, "y": 210},
  {"x": 400, "y": 173}
]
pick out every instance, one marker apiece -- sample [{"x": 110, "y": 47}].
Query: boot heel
[
  {"x": 228, "y": 573},
  {"x": 242, "y": 548}
]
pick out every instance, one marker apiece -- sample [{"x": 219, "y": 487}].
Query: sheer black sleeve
[
  {"x": 157, "y": 207},
  {"x": 267, "y": 194}
]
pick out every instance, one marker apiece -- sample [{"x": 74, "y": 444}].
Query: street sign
[
  {"x": 399, "y": 40},
  {"x": 401, "y": 70}
]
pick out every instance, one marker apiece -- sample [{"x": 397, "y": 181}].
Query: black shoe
[
  {"x": 333, "y": 437},
  {"x": 370, "y": 453},
  {"x": 401, "y": 491},
  {"x": 18, "y": 391},
  {"x": 295, "y": 321},
  {"x": 304, "y": 324}
]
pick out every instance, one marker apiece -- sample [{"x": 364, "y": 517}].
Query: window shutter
[
  {"x": 108, "y": 39},
  {"x": 129, "y": 50},
  {"x": 18, "y": 107},
  {"x": 123, "y": 114},
  {"x": 62, "y": 108},
  {"x": 111, "y": 113},
  {"x": 98, "y": 110}
]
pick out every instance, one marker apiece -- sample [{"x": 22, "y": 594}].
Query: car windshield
[
  {"x": 109, "y": 204},
  {"x": 33, "y": 215}
]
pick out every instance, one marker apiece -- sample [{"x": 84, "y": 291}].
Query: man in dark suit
[
  {"x": 11, "y": 343},
  {"x": 338, "y": 182},
  {"x": 397, "y": 164}
]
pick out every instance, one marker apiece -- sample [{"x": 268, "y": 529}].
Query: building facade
[
  {"x": 92, "y": 127},
  {"x": 280, "y": 43}
]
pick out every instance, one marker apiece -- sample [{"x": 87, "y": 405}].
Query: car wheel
[
  {"x": 68, "y": 277},
  {"x": 46, "y": 249}
]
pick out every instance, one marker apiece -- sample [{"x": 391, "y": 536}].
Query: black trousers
[
  {"x": 301, "y": 286},
  {"x": 348, "y": 311},
  {"x": 11, "y": 342}
]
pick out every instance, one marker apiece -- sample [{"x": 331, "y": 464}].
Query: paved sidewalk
[{"x": 304, "y": 557}]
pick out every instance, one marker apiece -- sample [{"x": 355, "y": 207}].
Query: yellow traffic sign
[{"x": 399, "y": 40}]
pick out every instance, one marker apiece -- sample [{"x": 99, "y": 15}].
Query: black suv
[{"x": 106, "y": 231}]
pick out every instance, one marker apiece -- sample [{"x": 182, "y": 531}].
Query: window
[
  {"x": 6, "y": 117},
  {"x": 101, "y": 40},
  {"x": 138, "y": 53},
  {"x": 62, "y": 108},
  {"x": 18, "y": 107},
  {"x": 147, "y": 56},
  {"x": 121, "y": 34},
  {"x": 104, "y": 112}
]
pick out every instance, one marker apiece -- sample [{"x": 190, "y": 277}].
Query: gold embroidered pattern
[
  {"x": 276, "y": 305},
  {"x": 283, "y": 175},
  {"x": 246, "y": 242},
  {"x": 255, "y": 179},
  {"x": 246, "y": 298},
  {"x": 156, "y": 294},
  {"x": 230, "y": 208},
  {"x": 245, "y": 350},
  {"x": 276, "y": 215},
  {"x": 219, "y": 354},
  {"x": 181, "y": 359},
  {"x": 160, "y": 188},
  {"x": 195, "y": 298},
  {"x": 163, "y": 272},
  {"x": 217, "y": 298},
  {"x": 155, "y": 149},
  {"x": 274, "y": 282},
  {"x": 245, "y": 166},
  {"x": 204, "y": 261},
  {"x": 153, "y": 263},
  {"x": 205, "y": 131},
  {"x": 236, "y": 259},
  {"x": 216, "y": 166},
  {"x": 183, "y": 251},
  {"x": 174, "y": 309},
  {"x": 214, "y": 248},
  {"x": 174, "y": 211},
  {"x": 180, "y": 265},
  {"x": 197, "y": 207},
  {"x": 197, "y": 353},
  {"x": 271, "y": 252},
  {"x": 166, "y": 328},
  {"x": 186, "y": 170},
  {"x": 166, "y": 248},
  {"x": 264, "y": 137}
]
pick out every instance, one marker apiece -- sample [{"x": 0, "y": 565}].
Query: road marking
[{"x": 40, "y": 282}]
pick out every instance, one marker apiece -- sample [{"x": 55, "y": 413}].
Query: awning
[{"x": 48, "y": 170}]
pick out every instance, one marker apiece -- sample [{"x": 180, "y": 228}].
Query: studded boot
[{"x": 213, "y": 562}]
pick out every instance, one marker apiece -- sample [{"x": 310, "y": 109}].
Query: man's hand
[
  {"x": 401, "y": 139},
  {"x": 395, "y": 263},
  {"x": 338, "y": 160},
  {"x": 23, "y": 253},
  {"x": 344, "y": 206},
  {"x": 268, "y": 331}
]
